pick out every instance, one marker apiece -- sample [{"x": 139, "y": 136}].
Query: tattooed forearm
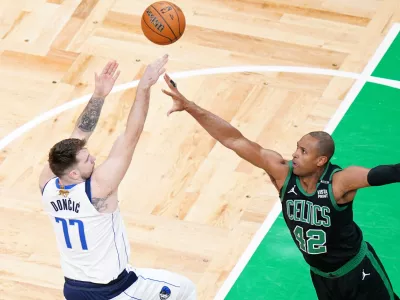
[
  {"x": 90, "y": 116},
  {"x": 100, "y": 204}
]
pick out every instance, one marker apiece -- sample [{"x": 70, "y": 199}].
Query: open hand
[
  {"x": 106, "y": 80},
  {"x": 153, "y": 72},
  {"x": 179, "y": 101}
]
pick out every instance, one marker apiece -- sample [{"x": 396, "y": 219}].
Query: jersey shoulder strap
[
  {"x": 285, "y": 184},
  {"x": 326, "y": 178}
]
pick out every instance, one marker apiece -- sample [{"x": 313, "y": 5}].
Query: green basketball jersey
[{"x": 323, "y": 230}]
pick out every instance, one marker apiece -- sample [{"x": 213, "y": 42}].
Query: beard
[{"x": 87, "y": 175}]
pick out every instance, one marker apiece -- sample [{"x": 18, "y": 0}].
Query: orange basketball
[{"x": 163, "y": 23}]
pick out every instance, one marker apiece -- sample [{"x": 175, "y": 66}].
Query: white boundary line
[
  {"x": 225, "y": 70},
  {"x": 365, "y": 76},
  {"x": 340, "y": 112},
  {"x": 5, "y": 141}
]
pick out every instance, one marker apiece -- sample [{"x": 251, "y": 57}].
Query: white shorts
[{"x": 156, "y": 284}]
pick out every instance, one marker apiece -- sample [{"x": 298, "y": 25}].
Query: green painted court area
[{"x": 368, "y": 135}]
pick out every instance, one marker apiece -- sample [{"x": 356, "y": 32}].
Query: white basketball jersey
[{"x": 93, "y": 245}]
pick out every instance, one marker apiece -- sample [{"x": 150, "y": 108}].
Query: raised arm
[
  {"x": 271, "y": 161},
  {"x": 107, "y": 177},
  {"x": 353, "y": 178},
  {"x": 89, "y": 117}
]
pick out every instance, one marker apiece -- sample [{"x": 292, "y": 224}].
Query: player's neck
[
  {"x": 69, "y": 181},
  {"x": 309, "y": 183}
]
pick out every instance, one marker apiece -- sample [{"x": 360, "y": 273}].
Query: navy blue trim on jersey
[
  {"x": 115, "y": 243},
  {"x": 81, "y": 290},
  {"x": 155, "y": 280},
  {"x": 126, "y": 252},
  {"x": 67, "y": 187},
  {"x": 88, "y": 189},
  {"x": 132, "y": 296},
  {"x": 46, "y": 185}
]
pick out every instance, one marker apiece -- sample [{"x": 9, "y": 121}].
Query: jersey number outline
[
  {"x": 81, "y": 229},
  {"x": 315, "y": 243}
]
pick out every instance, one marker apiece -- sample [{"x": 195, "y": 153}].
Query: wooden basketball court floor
[{"x": 190, "y": 205}]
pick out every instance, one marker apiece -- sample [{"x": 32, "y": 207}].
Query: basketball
[{"x": 163, "y": 23}]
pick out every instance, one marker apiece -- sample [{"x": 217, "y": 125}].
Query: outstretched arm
[
  {"x": 107, "y": 177},
  {"x": 271, "y": 161},
  {"x": 348, "y": 181},
  {"x": 354, "y": 178},
  {"x": 88, "y": 119}
]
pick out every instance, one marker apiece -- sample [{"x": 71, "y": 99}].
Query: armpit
[{"x": 100, "y": 204}]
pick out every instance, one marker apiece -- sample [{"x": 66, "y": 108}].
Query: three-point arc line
[{"x": 179, "y": 75}]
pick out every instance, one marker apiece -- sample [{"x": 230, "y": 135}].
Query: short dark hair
[
  {"x": 63, "y": 155},
  {"x": 326, "y": 145}
]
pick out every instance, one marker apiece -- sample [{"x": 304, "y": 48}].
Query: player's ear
[
  {"x": 74, "y": 173},
  {"x": 322, "y": 160}
]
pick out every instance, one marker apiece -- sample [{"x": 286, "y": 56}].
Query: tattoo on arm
[
  {"x": 88, "y": 119},
  {"x": 100, "y": 203}
]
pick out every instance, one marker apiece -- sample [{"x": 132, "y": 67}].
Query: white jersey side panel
[{"x": 93, "y": 246}]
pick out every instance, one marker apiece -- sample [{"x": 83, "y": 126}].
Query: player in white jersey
[{"x": 82, "y": 204}]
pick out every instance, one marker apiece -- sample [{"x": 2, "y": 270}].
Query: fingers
[
  {"x": 116, "y": 75},
  {"x": 110, "y": 68},
  {"x": 113, "y": 68},
  {"x": 171, "y": 84},
  {"x": 163, "y": 59},
  {"x": 160, "y": 72},
  {"x": 167, "y": 78},
  {"x": 161, "y": 62},
  {"x": 156, "y": 63},
  {"x": 168, "y": 93},
  {"x": 107, "y": 68}
]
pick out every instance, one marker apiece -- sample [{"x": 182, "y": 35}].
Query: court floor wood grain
[{"x": 190, "y": 205}]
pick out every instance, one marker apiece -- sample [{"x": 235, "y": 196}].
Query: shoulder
[
  {"x": 99, "y": 186},
  {"x": 331, "y": 170},
  {"x": 282, "y": 184},
  {"x": 45, "y": 176},
  {"x": 350, "y": 179},
  {"x": 336, "y": 175},
  {"x": 44, "y": 184}
]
